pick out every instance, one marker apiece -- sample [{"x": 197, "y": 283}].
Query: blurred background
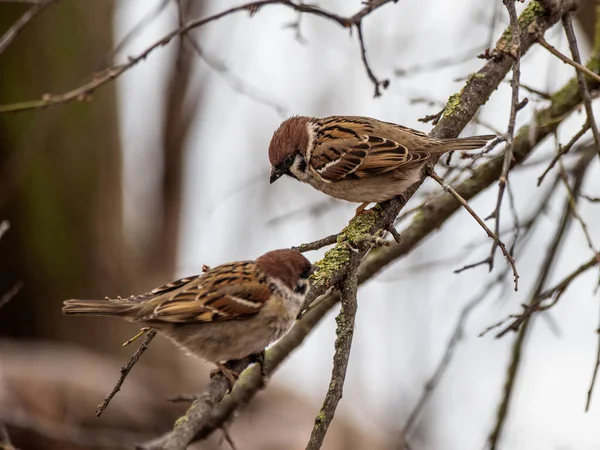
[{"x": 166, "y": 169}]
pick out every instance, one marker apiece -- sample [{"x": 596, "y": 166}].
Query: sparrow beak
[{"x": 275, "y": 175}]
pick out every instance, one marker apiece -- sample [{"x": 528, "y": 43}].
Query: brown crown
[
  {"x": 290, "y": 137},
  {"x": 286, "y": 265}
]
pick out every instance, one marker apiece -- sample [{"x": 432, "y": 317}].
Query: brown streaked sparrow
[
  {"x": 229, "y": 312},
  {"x": 358, "y": 159}
]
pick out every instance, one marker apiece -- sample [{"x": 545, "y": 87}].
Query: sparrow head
[
  {"x": 289, "y": 147},
  {"x": 289, "y": 267}
]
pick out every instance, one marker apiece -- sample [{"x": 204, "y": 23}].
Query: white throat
[
  {"x": 293, "y": 299},
  {"x": 297, "y": 166}
]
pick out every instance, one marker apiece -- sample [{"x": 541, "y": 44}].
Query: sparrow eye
[
  {"x": 308, "y": 272},
  {"x": 288, "y": 161}
]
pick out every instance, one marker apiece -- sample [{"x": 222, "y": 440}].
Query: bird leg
[
  {"x": 361, "y": 209},
  {"x": 231, "y": 375}
]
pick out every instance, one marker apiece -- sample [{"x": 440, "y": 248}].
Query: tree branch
[{"x": 343, "y": 343}]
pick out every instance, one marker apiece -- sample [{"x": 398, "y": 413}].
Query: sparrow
[
  {"x": 227, "y": 313},
  {"x": 354, "y": 158}
]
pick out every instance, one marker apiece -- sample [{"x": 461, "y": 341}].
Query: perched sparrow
[
  {"x": 354, "y": 158},
  {"x": 229, "y": 312}
]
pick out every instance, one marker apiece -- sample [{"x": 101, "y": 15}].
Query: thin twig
[
  {"x": 22, "y": 22},
  {"x": 583, "y": 87},
  {"x": 594, "y": 374},
  {"x": 343, "y": 344},
  {"x": 590, "y": 199},
  {"x": 515, "y": 53},
  {"x": 575, "y": 211},
  {"x": 567, "y": 60},
  {"x": 103, "y": 77},
  {"x": 564, "y": 150},
  {"x": 125, "y": 371},
  {"x": 138, "y": 28},
  {"x": 363, "y": 54},
  {"x": 8, "y": 296},
  {"x": 554, "y": 292},
  {"x": 316, "y": 245},
  {"x": 480, "y": 221}
]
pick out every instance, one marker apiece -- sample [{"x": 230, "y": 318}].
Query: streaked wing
[
  {"x": 165, "y": 288},
  {"x": 228, "y": 292},
  {"x": 360, "y": 156}
]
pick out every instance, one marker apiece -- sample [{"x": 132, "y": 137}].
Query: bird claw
[
  {"x": 231, "y": 375},
  {"x": 362, "y": 209}
]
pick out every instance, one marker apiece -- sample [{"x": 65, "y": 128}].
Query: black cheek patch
[
  {"x": 302, "y": 165},
  {"x": 301, "y": 289}
]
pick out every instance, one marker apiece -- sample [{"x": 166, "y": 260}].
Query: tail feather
[
  {"x": 96, "y": 307},
  {"x": 467, "y": 143}
]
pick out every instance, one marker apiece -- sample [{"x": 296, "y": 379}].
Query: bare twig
[
  {"x": 343, "y": 344},
  {"x": 576, "y": 214},
  {"x": 567, "y": 60},
  {"x": 480, "y": 221},
  {"x": 8, "y": 296},
  {"x": 363, "y": 54},
  {"x": 85, "y": 91},
  {"x": 125, "y": 371},
  {"x": 515, "y": 53},
  {"x": 564, "y": 150},
  {"x": 554, "y": 292},
  {"x": 594, "y": 374},
  {"x": 138, "y": 28},
  {"x": 583, "y": 87},
  {"x": 10, "y": 34},
  {"x": 316, "y": 245},
  {"x": 590, "y": 199}
]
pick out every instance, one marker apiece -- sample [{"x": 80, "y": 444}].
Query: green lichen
[
  {"x": 181, "y": 420},
  {"x": 475, "y": 76},
  {"x": 529, "y": 14},
  {"x": 320, "y": 417},
  {"x": 353, "y": 235},
  {"x": 452, "y": 105}
]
